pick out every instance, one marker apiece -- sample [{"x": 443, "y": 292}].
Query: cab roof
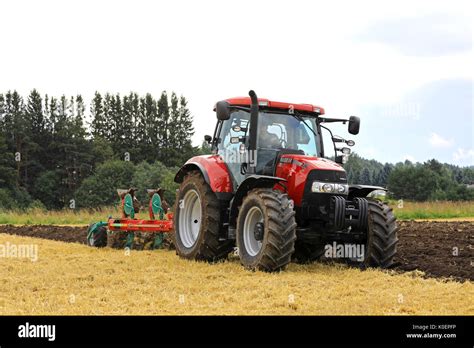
[{"x": 245, "y": 101}]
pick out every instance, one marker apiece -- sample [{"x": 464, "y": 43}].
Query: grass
[
  {"x": 58, "y": 217},
  {"x": 73, "y": 279},
  {"x": 433, "y": 210},
  {"x": 409, "y": 211}
]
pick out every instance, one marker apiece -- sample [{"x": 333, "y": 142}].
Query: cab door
[{"x": 232, "y": 143}]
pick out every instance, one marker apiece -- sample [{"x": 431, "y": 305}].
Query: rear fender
[{"x": 213, "y": 170}]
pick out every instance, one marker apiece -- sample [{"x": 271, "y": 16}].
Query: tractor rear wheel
[
  {"x": 382, "y": 238},
  {"x": 198, "y": 221},
  {"x": 266, "y": 230}
]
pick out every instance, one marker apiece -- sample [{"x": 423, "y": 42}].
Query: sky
[{"x": 404, "y": 67}]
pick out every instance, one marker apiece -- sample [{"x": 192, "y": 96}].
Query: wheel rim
[
  {"x": 190, "y": 218},
  {"x": 252, "y": 245}
]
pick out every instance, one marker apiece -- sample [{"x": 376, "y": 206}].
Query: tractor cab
[
  {"x": 277, "y": 134},
  {"x": 254, "y": 145}
]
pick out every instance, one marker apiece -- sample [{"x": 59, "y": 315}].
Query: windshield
[{"x": 285, "y": 131}]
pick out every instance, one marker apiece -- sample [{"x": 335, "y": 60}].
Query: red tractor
[{"x": 268, "y": 189}]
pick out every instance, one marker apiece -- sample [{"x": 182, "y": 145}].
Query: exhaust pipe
[{"x": 253, "y": 132}]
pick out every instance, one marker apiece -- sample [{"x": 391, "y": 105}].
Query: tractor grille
[
  {"x": 336, "y": 176},
  {"x": 316, "y": 206}
]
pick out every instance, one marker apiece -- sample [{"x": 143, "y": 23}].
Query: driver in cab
[{"x": 267, "y": 139}]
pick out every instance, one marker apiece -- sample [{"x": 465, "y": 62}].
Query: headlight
[
  {"x": 346, "y": 151},
  {"x": 324, "y": 187},
  {"x": 328, "y": 188},
  {"x": 342, "y": 188}
]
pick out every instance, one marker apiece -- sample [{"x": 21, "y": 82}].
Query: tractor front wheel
[
  {"x": 198, "y": 221},
  {"x": 382, "y": 240},
  {"x": 266, "y": 230}
]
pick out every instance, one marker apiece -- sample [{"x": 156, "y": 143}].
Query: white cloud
[
  {"x": 437, "y": 140},
  {"x": 410, "y": 158},
  {"x": 464, "y": 156}
]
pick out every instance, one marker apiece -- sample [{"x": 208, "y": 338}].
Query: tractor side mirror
[
  {"x": 208, "y": 139},
  {"x": 354, "y": 124},
  {"x": 222, "y": 110}
]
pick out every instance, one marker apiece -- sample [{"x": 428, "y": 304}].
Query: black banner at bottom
[{"x": 186, "y": 330}]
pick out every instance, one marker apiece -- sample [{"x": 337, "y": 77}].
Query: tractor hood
[
  {"x": 298, "y": 169},
  {"x": 310, "y": 162}
]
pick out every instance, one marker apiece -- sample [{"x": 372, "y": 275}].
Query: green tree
[
  {"x": 39, "y": 137},
  {"x": 101, "y": 150},
  {"x": 45, "y": 189},
  {"x": 162, "y": 127},
  {"x": 116, "y": 128},
  {"x": 129, "y": 107},
  {"x": 99, "y": 123},
  {"x": 7, "y": 172},
  {"x": 139, "y": 130},
  {"x": 173, "y": 149},
  {"x": 2, "y": 112},
  {"x": 19, "y": 133},
  {"x": 80, "y": 149},
  {"x": 155, "y": 175},
  {"x": 185, "y": 133},
  {"x": 413, "y": 182},
  {"x": 205, "y": 148},
  {"x": 365, "y": 177},
  {"x": 100, "y": 189}
]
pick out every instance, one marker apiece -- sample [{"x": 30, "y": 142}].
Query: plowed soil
[{"x": 439, "y": 249}]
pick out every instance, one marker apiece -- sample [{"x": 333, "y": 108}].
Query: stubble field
[{"x": 71, "y": 278}]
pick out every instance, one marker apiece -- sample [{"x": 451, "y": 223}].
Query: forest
[
  {"x": 428, "y": 181},
  {"x": 55, "y": 155}
]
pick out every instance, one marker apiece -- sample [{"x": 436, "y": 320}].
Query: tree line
[
  {"x": 430, "y": 180},
  {"x": 49, "y": 145},
  {"x": 59, "y": 153}
]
